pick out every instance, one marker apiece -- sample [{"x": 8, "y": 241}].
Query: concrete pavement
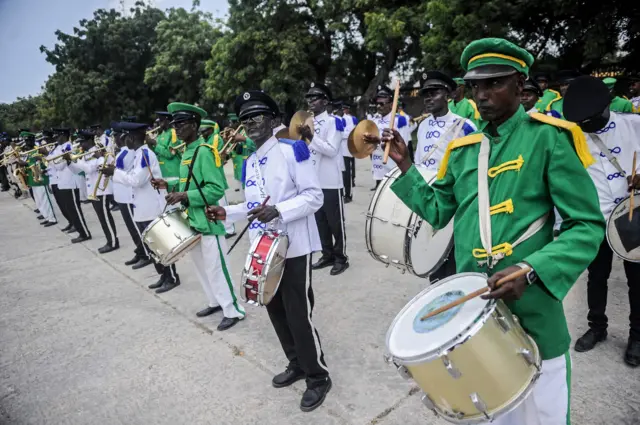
[{"x": 82, "y": 341}]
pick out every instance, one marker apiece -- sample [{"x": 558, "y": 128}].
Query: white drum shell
[{"x": 169, "y": 237}]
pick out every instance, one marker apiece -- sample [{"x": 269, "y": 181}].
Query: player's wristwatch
[{"x": 531, "y": 276}]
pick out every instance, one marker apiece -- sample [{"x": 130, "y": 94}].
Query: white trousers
[
  {"x": 210, "y": 259},
  {"x": 43, "y": 203},
  {"x": 548, "y": 403},
  {"x": 228, "y": 227}
]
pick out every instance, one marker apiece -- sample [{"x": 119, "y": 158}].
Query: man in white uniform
[
  {"x": 294, "y": 196},
  {"x": 349, "y": 122},
  {"x": 90, "y": 165},
  {"x": 613, "y": 139},
  {"x": 384, "y": 104},
  {"x": 326, "y": 157},
  {"x": 148, "y": 202},
  {"x": 350, "y": 161}
]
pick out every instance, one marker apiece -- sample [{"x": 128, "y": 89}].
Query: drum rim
[
  {"x": 277, "y": 241},
  {"x": 192, "y": 241},
  {"x": 158, "y": 218},
  {"x": 445, "y": 347},
  {"x": 607, "y": 231},
  {"x": 369, "y": 215},
  {"x": 440, "y": 262},
  {"x": 247, "y": 264}
]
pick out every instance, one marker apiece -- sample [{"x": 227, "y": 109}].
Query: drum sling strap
[
  {"x": 457, "y": 126},
  {"x": 485, "y": 214},
  {"x": 605, "y": 151},
  {"x": 190, "y": 176}
]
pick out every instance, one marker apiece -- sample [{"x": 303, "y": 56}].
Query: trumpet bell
[
  {"x": 300, "y": 118},
  {"x": 356, "y": 143}
]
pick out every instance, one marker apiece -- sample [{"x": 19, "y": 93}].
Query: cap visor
[{"x": 489, "y": 71}]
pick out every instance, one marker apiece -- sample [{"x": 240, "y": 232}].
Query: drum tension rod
[{"x": 480, "y": 405}]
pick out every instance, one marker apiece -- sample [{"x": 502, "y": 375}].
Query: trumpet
[
  {"x": 56, "y": 159},
  {"x": 153, "y": 133},
  {"x": 180, "y": 148},
  {"x": 230, "y": 142},
  {"x": 76, "y": 157},
  {"x": 418, "y": 120},
  {"x": 94, "y": 195},
  {"x": 37, "y": 148}
]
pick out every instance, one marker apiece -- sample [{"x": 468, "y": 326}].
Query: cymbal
[
  {"x": 298, "y": 119},
  {"x": 283, "y": 134},
  {"x": 357, "y": 146}
]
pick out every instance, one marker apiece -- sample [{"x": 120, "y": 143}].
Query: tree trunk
[{"x": 380, "y": 78}]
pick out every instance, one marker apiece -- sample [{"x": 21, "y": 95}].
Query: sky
[{"x": 25, "y": 25}]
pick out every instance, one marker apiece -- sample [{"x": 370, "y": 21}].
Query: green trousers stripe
[
  {"x": 567, "y": 358},
  {"x": 228, "y": 278}
]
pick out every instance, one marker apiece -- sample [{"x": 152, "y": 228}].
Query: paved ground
[{"x": 82, "y": 341}]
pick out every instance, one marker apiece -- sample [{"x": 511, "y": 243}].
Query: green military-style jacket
[
  {"x": 620, "y": 104},
  {"x": 557, "y": 105},
  {"x": 466, "y": 108},
  {"x": 248, "y": 147},
  {"x": 216, "y": 141},
  {"x": 208, "y": 177},
  {"x": 532, "y": 168},
  {"x": 546, "y": 98},
  {"x": 169, "y": 161},
  {"x": 30, "y": 181}
]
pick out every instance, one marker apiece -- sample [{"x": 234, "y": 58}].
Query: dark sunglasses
[{"x": 258, "y": 119}]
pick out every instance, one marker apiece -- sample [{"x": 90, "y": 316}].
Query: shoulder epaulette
[
  {"x": 300, "y": 149},
  {"x": 476, "y": 113},
  {"x": 401, "y": 121},
  {"x": 174, "y": 136},
  {"x": 144, "y": 160},
  {"x": 548, "y": 108},
  {"x": 339, "y": 124},
  {"x": 557, "y": 93},
  {"x": 579, "y": 139},
  {"x": 454, "y": 144},
  {"x": 216, "y": 155}
]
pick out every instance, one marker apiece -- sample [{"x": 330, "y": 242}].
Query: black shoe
[
  {"x": 37, "y": 211},
  {"x": 158, "y": 284},
  {"x": 40, "y": 217},
  {"x": 314, "y": 397},
  {"x": 373, "y": 189},
  {"x": 348, "y": 199},
  {"x": 227, "y": 322},
  {"x": 143, "y": 262},
  {"x": 85, "y": 201},
  {"x": 69, "y": 226},
  {"x": 322, "y": 263},
  {"x": 71, "y": 230},
  {"x": 338, "y": 268},
  {"x": 132, "y": 261},
  {"x": 167, "y": 286},
  {"x": 115, "y": 207},
  {"x": 42, "y": 223},
  {"x": 108, "y": 248},
  {"x": 50, "y": 223},
  {"x": 589, "y": 340},
  {"x": 288, "y": 377},
  {"x": 208, "y": 311},
  {"x": 632, "y": 355},
  {"x": 229, "y": 235},
  {"x": 80, "y": 239},
  {"x": 353, "y": 183}
]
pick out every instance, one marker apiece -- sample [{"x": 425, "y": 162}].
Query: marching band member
[
  {"x": 90, "y": 165},
  {"x": 460, "y": 105},
  {"x": 212, "y": 137},
  {"x": 531, "y": 93},
  {"x": 548, "y": 95},
  {"x": 169, "y": 159},
  {"x": 201, "y": 185},
  {"x": 326, "y": 158},
  {"x": 349, "y": 160},
  {"x": 613, "y": 140},
  {"x": 384, "y": 103},
  {"x": 37, "y": 182},
  {"x": 528, "y": 165},
  {"x": 148, "y": 202},
  {"x": 68, "y": 190},
  {"x": 618, "y": 104},
  {"x": 565, "y": 78},
  {"x": 282, "y": 170},
  {"x": 123, "y": 196}
]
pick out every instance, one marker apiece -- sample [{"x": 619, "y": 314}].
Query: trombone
[
  {"x": 180, "y": 148},
  {"x": 37, "y": 148},
  {"x": 94, "y": 195},
  {"x": 230, "y": 142},
  {"x": 153, "y": 133}
]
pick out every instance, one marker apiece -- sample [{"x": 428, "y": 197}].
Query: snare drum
[
  {"x": 624, "y": 235},
  {"x": 398, "y": 237},
  {"x": 264, "y": 267},
  {"x": 473, "y": 362},
  {"x": 169, "y": 237}
]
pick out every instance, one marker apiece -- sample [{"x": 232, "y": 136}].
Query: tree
[{"x": 183, "y": 44}]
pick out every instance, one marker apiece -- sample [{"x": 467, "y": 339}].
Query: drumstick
[
  {"x": 475, "y": 294},
  {"x": 148, "y": 167},
  {"x": 394, "y": 108},
  {"x": 631, "y": 197},
  {"x": 246, "y": 227}
]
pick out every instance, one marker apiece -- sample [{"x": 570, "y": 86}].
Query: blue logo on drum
[{"x": 438, "y": 320}]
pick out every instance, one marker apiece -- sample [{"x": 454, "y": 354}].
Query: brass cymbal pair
[
  {"x": 300, "y": 118},
  {"x": 358, "y": 147}
]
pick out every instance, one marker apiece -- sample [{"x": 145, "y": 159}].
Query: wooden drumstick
[
  {"x": 392, "y": 122},
  {"x": 633, "y": 175},
  {"x": 475, "y": 294},
  {"x": 246, "y": 228}
]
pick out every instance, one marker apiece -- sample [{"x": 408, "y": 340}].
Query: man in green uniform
[
  {"x": 548, "y": 95},
  {"x": 38, "y": 182},
  {"x": 565, "y": 78},
  {"x": 618, "y": 104},
  {"x": 242, "y": 151},
  {"x": 210, "y": 133},
  {"x": 504, "y": 212},
  {"x": 460, "y": 105},
  {"x": 200, "y": 186},
  {"x": 168, "y": 158}
]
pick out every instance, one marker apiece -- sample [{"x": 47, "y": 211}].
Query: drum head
[
  {"x": 624, "y": 235},
  {"x": 275, "y": 268},
  {"x": 412, "y": 340}
]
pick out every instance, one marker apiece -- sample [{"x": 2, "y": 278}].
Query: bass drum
[
  {"x": 623, "y": 235},
  {"x": 398, "y": 237}
]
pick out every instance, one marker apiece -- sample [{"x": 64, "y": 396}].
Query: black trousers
[
  {"x": 4, "y": 179},
  {"x": 448, "y": 268},
  {"x": 599, "y": 271},
  {"x": 168, "y": 272},
  {"x": 61, "y": 205},
  {"x": 102, "y": 208},
  {"x": 290, "y": 311},
  {"x": 330, "y": 220},
  {"x": 349, "y": 175},
  {"x": 127, "y": 215},
  {"x": 71, "y": 200}
]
